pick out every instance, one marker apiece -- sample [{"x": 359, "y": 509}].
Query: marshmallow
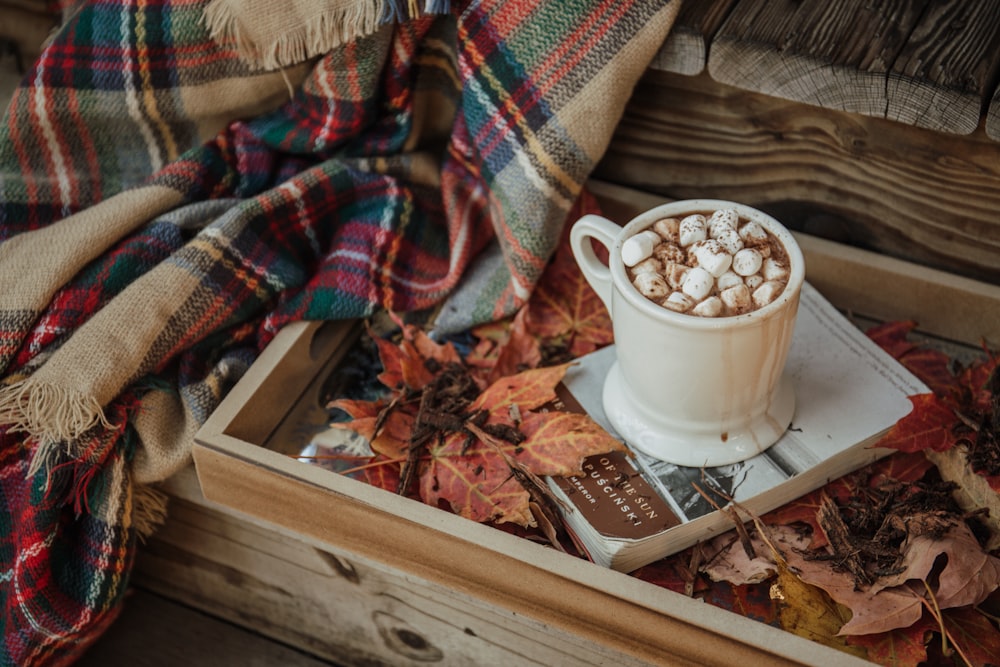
[
  {"x": 678, "y": 302},
  {"x": 723, "y": 218},
  {"x": 639, "y": 247},
  {"x": 773, "y": 270},
  {"x": 712, "y": 257},
  {"x": 754, "y": 281},
  {"x": 648, "y": 265},
  {"x": 736, "y": 299},
  {"x": 753, "y": 233},
  {"x": 767, "y": 293},
  {"x": 710, "y": 307},
  {"x": 675, "y": 274},
  {"x": 727, "y": 280},
  {"x": 747, "y": 262},
  {"x": 668, "y": 229},
  {"x": 651, "y": 285},
  {"x": 692, "y": 229},
  {"x": 729, "y": 239},
  {"x": 698, "y": 283},
  {"x": 669, "y": 253}
]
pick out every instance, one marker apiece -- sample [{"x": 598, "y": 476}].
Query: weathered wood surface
[
  {"x": 153, "y": 631},
  {"x": 338, "y": 606},
  {"x": 685, "y": 50},
  {"x": 906, "y": 192},
  {"x": 928, "y": 63},
  {"x": 948, "y": 68}
]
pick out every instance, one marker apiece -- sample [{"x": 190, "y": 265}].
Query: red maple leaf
[
  {"x": 930, "y": 425},
  {"x": 565, "y": 308},
  {"x": 465, "y": 466}
]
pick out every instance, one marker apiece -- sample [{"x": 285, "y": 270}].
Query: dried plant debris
[{"x": 984, "y": 449}]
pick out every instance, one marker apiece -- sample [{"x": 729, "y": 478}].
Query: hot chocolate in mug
[{"x": 692, "y": 390}]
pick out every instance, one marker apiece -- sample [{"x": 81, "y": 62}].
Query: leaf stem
[{"x": 373, "y": 464}]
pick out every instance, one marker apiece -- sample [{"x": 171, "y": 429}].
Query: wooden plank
[
  {"x": 903, "y": 191},
  {"x": 948, "y": 68},
  {"x": 834, "y": 55},
  {"x": 153, "y": 631},
  {"x": 993, "y": 117},
  {"x": 685, "y": 51},
  {"x": 337, "y": 605}
]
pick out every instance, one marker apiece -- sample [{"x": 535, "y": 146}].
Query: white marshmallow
[
  {"x": 650, "y": 264},
  {"x": 736, "y": 299},
  {"x": 710, "y": 307},
  {"x": 669, "y": 252},
  {"x": 754, "y": 281},
  {"x": 753, "y": 233},
  {"x": 692, "y": 229},
  {"x": 773, "y": 270},
  {"x": 729, "y": 239},
  {"x": 675, "y": 274},
  {"x": 651, "y": 285},
  {"x": 724, "y": 218},
  {"x": 639, "y": 247},
  {"x": 667, "y": 228},
  {"x": 678, "y": 302},
  {"x": 767, "y": 293},
  {"x": 712, "y": 257},
  {"x": 747, "y": 262},
  {"x": 698, "y": 283},
  {"x": 727, "y": 280}
]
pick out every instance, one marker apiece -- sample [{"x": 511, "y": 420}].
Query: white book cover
[{"x": 848, "y": 393}]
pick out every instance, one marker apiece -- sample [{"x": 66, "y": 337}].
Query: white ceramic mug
[{"x": 685, "y": 389}]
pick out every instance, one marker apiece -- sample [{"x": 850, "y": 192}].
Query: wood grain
[
  {"x": 903, "y": 191},
  {"x": 835, "y": 55},
  {"x": 948, "y": 68},
  {"x": 685, "y": 51},
  {"x": 153, "y": 631}
]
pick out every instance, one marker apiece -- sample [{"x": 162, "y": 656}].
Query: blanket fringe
[
  {"x": 49, "y": 413},
  {"x": 149, "y": 509},
  {"x": 299, "y": 43}
]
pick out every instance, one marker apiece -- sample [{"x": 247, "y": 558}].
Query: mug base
[{"x": 694, "y": 447}]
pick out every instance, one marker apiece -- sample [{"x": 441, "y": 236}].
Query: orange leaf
[
  {"x": 928, "y": 426},
  {"x": 564, "y": 306},
  {"x": 478, "y": 487},
  {"x": 527, "y": 390},
  {"x": 518, "y": 352},
  {"x": 479, "y": 484},
  {"x": 558, "y": 442},
  {"x": 903, "y": 646},
  {"x": 405, "y": 364}
]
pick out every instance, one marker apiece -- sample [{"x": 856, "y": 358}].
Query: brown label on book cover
[{"x": 611, "y": 494}]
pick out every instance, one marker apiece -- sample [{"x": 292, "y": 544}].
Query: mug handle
[{"x": 604, "y": 232}]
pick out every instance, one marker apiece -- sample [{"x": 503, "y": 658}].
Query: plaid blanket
[{"x": 166, "y": 205}]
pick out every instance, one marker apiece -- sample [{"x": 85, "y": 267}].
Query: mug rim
[{"x": 671, "y": 209}]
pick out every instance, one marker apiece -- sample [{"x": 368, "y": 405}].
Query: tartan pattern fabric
[{"x": 165, "y": 209}]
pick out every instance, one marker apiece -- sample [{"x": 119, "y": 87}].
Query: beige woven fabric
[{"x": 270, "y": 34}]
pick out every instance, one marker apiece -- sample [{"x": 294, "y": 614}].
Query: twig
[{"x": 946, "y": 636}]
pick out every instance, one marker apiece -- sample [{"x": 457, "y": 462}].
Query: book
[{"x": 629, "y": 509}]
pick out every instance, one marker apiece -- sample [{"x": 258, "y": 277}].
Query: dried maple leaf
[
  {"x": 929, "y": 426},
  {"x": 974, "y": 634},
  {"x": 505, "y": 348},
  {"x": 932, "y": 366},
  {"x": 897, "y": 648},
  {"x": 565, "y": 308},
  {"x": 478, "y": 452},
  {"x": 901, "y": 467}
]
